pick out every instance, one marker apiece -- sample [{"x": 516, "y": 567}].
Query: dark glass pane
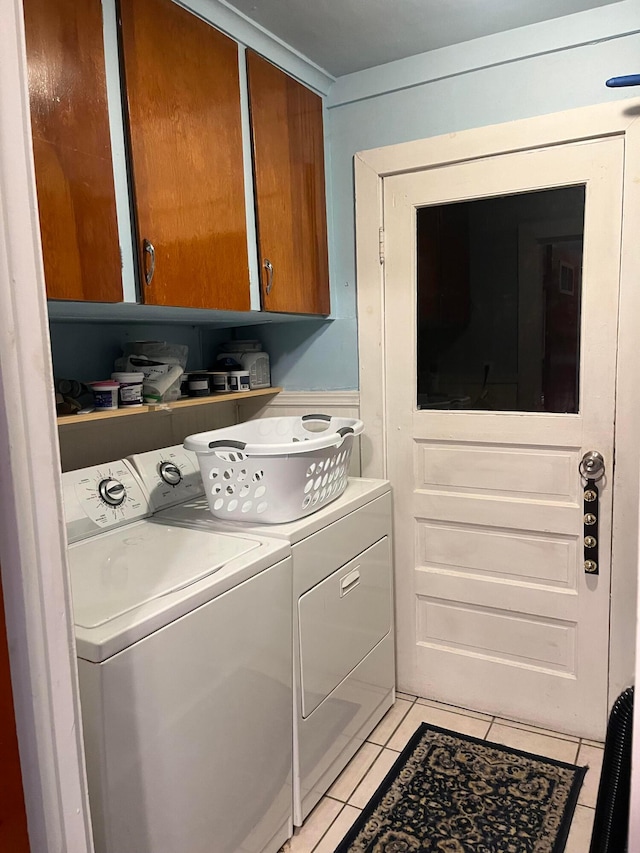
[{"x": 499, "y": 291}]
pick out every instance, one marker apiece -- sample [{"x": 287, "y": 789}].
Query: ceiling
[{"x": 342, "y": 36}]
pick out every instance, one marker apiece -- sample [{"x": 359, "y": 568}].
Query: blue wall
[
  {"x": 310, "y": 355},
  {"x": 535, "y": 70},
  {"x": 86, "y": 351}
]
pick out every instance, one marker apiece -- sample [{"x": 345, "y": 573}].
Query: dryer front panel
[{"x": 341, "y": 619}]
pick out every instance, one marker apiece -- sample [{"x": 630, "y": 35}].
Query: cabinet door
[
  {"x": 288, "y": 156},
  {"x": 183, "y": 97},
  {"x": 72, "y": 149}
]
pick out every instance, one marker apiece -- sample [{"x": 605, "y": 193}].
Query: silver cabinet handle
[
  {"x": 269, "y": 268},
  {"x": 148, "y": 249}
]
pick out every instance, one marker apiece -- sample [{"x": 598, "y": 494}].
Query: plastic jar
[
  {"x": 130, "y": 393},
  {"x": 198, "y": 385},
  {"x": 218, "y": 381},
  {"x": 105, "y": 395},
  {"x": 238, "y": 380}
]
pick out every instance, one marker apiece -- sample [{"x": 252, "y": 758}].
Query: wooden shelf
[{"x": 185, "y": 403}]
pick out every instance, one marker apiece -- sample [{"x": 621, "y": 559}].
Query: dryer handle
[{"x": 349, "y": 582}]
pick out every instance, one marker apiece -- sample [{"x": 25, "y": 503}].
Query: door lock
[
  {"x": 592, "y": 465},
  {"x": 592, "y": 470}
]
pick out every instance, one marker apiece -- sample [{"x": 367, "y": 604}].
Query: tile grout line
[
  {"x": 365, "y": 772},
  {"x": 524, "y": 727},
  {"x": 493, "y": 719},
  {"x": 315, "y": 847},
  {"x": 461, "y": 712},
  {"x": 543, "y": 733},
  {"x": 384, "y": 745},
  {"x": 534, "y": 730},
  {"x": 512, "y": 724},
  {"x": 578, "y": 751},
  {"x": 592, "y": 744}
]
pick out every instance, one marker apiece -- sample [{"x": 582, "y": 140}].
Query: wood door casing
[
  {"x": 13, "y": 819},
  {"x": 288, "y": 157},
  {"x": 72, "y": 149},
  {"x": 183, "y": 98}
]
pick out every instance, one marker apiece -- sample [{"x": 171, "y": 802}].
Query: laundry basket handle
[
  {"x": 326, "y": 418},
  {"x": 345, "y": 431},
  {"x": 238, "y": 445}
]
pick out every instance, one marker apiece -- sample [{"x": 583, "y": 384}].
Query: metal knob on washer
[{"x": 170, "y": 473}]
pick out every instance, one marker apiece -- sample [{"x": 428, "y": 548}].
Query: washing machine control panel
[
  {"x": 102, "y": 497},
  {"x": 170, "y": 475}
]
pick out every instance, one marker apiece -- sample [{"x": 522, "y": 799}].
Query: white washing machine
[
  {"x": 343, "y": 649},
  {"x": 184, "y": 647}
]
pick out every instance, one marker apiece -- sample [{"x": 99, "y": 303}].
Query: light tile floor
[{"x": 337, "y": 811}]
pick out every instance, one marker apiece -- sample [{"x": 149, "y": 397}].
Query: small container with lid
[
  {"x": 130, "y": 393},
  {"x": 238, "y": 380},
  {"x": 198, "y": 384},
  {"x": 105, "y": 395},
  {"x": 218, "y": 381}
]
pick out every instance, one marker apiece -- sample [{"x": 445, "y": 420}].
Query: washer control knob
[
  {"x": 112, "y": 491},
  {"x": 170, "y": 473}
]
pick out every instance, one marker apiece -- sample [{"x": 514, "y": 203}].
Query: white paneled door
[{"x": 494, "y": 608}]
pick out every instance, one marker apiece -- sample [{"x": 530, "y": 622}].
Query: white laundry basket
[{"x": 274, "y": 470}]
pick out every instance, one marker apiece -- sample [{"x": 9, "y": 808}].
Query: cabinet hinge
[{"x": 381, "y": 244}]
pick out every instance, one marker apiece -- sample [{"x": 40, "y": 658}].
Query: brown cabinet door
[
  {"x": 288, "y": 157},
  {"x": 72, "y": 149},
  {"x": 183, "y": 96}
]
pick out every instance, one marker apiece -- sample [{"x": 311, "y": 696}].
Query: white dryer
[
  {"x": 184, "y": 647},
  {"x": 343, "y": 649}
]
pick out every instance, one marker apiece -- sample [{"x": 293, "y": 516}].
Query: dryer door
[{"x": 341, "y": 620}]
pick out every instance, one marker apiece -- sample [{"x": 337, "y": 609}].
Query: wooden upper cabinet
[
  {"x": 288, "y": 158},
  {"x": 183, "y": 99},
  {"x": 72, "y": 149}
]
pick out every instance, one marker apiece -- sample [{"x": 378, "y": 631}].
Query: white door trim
[
  {"x": 32, "y": 538},
  {"x": 371, "y": 167}
]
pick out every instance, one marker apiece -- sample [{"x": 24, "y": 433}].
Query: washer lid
[{"x": 124, "y": 569}]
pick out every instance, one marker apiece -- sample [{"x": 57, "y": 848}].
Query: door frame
[
  {"x": 588, "y": 123},
  {"x": 35, "y": 577}
]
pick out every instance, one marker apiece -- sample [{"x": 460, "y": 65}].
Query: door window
[{"x": 499, "y": 299}]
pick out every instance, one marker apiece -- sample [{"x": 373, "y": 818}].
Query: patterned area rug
[{"x": 449, "y": 793}]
